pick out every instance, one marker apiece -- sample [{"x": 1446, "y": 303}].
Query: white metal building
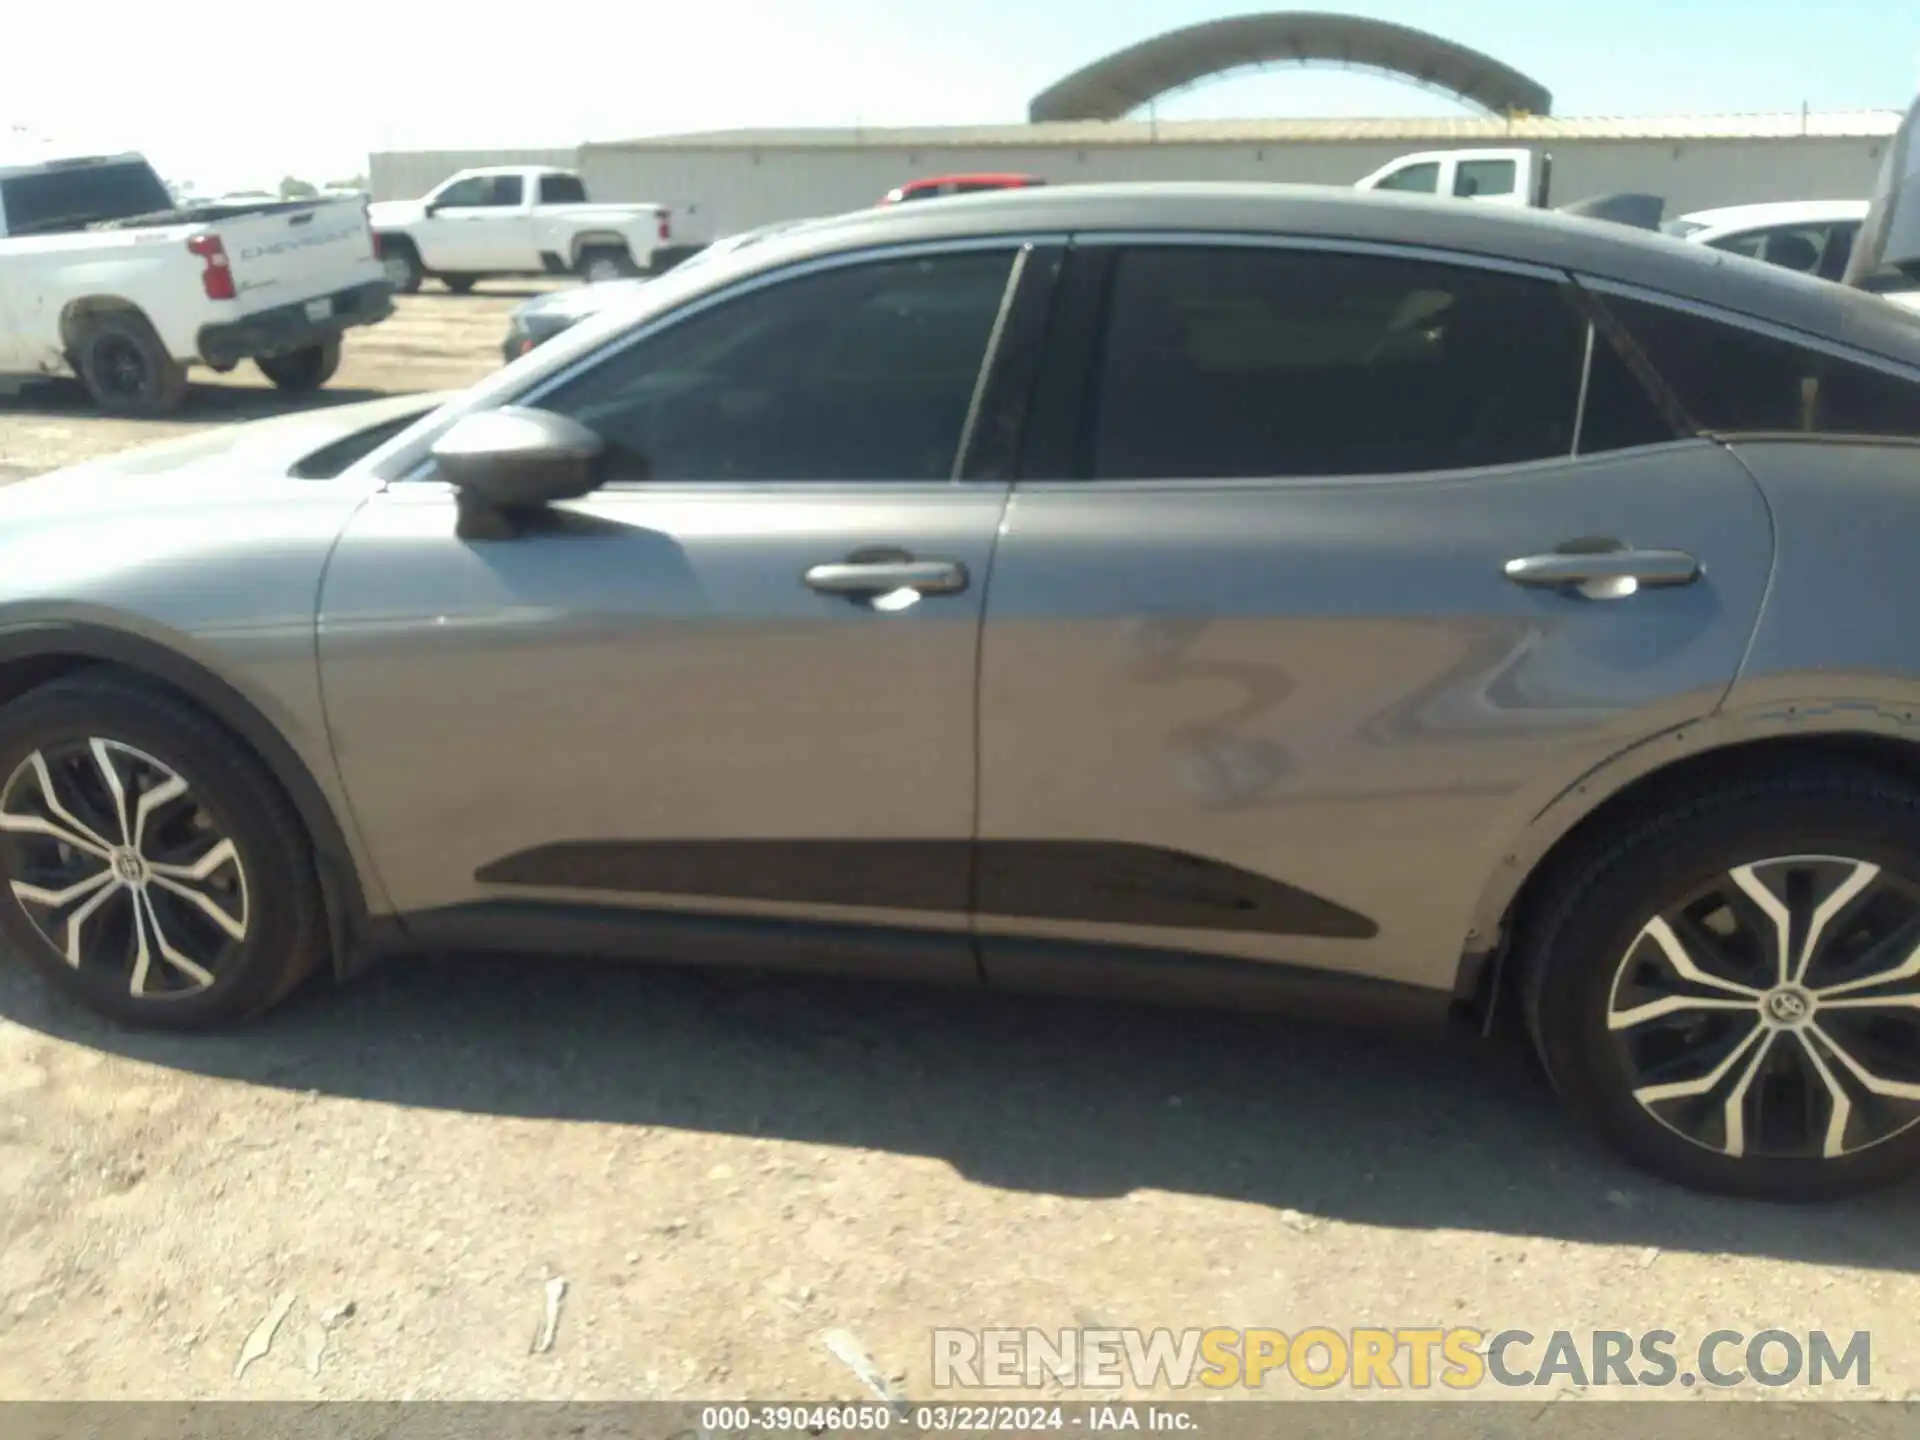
[{"x": 731, "y": 180}]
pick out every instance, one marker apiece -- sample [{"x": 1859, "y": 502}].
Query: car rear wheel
[
  {"x": 306, "y": 369},
  {"x": 1728, "y": 991},
  {"x": 127, "y": 369},
  {"x": 606, "y": 262},
  {"x": 153, "y": 869},
  {"x": 402, "y": 264}
]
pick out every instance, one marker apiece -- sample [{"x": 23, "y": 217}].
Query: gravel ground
[{"x": 724, "y": 1171}]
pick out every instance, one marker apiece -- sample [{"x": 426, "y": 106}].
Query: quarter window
[
  {"x": 863, "y": 373},
  {"x": 1733, "y": 379},
  {"x": 1244, "y": 362}
]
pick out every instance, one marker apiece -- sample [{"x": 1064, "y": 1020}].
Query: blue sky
[{"x": 312, "y": 89}]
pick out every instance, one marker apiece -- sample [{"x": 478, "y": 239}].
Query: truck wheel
[
  {"x": 300, "y": 370},
  {"x": 402, "y": 263},
  {"x": 460, "y": 284},
  {"x": 606, "y": 262},
  {"x": 126, "y": 369}
]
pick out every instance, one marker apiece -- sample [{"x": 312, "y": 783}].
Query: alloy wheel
[
  {"x": 122, "y": 869},
  {"x": 1774, "y": 1012},
  {"x": 398, "y": 268}
]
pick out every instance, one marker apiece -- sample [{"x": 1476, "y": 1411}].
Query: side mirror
[{"x": 512, "y": 461}]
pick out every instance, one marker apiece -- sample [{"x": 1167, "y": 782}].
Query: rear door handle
[
  {"x": 1603, "y": 573},
  {"x": 881, "y": 577}
]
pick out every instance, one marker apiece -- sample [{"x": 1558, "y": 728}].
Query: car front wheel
[
  {"x": 154, "y": 870},
  {"x": 1729, "y": 989}
]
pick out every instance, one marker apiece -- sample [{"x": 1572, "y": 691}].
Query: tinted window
[
  {"x": 1250, "y": 362},
  {"x": 1618, "y": 412},
  {"x": 1484, "y": 177},
  {"x": 562, "y": 190},
  {"x": 71, "y": 198},
  {"x": 482, "y": 191},
  {"x": 1793, "y": 247},
  {"x": 860, "y": 373},
  {"x": 1423, "y": 178},
  {"x": 1729, "y": 378}
]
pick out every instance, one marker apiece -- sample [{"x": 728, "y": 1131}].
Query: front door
[
  {"x": 478, "y": 225},
  {"x": 1325, "y": 573},
  {"x": 735, "y": 686}
]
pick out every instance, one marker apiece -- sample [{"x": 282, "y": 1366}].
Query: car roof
[
  {"x": 1777, "y": 212},
  {"x": 1596, "y": 248}
]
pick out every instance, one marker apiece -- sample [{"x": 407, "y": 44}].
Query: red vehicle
[{"x": 957, "y": 185}]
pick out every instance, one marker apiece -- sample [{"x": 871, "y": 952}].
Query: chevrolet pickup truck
[
  {"x": 514, "y": 220},
  {"x": 103, "y": 276}
]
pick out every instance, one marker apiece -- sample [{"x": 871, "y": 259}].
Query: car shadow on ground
[
  {"x": 68, "y": 400},
  {"x": 1047, "y": 1096}
]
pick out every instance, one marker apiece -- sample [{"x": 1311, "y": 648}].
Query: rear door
[{"x": 1287, "y": 639}]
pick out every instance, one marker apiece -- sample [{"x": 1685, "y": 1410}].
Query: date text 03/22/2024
[{"x": 944, "y": 1419}]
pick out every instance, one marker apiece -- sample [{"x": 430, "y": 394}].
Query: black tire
[
  {"x": 302, "y": 370},
  {"x": 460, "y": 284},
  {"x": 126, "y": 369},
  {"x": 267, "y": 884},
  {"x": 404, "y": 271},
  {"x": 1593, "y": 958},
  {"x": 605, "y": 262}
]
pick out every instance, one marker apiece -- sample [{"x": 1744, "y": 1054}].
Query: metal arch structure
[{"x": 1114, "y": 87}]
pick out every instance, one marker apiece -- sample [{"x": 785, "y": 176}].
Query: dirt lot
[{"x": 725, "y": 1172}]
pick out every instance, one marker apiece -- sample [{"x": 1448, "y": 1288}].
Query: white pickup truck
[
  {"x": 1492, "y": 177},
  {"x": 514, "y": 220},
  {"x": 102, "y": 276}
]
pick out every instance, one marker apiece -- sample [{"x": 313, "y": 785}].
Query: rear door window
[{"x": 1251, "y": 362}]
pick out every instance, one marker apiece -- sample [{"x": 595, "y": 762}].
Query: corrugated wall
[
  {"x": 408, "y": 174},
  {"x": 715, "y": 190}
]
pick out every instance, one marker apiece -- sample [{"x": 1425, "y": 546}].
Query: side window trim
[
  {"x": 1026, "y": 285},
  {"x": 413, "y": 464},
  {"x": 1324, "y": 244},
  {"x": 765, "y": 279},
  {"x": 1058, "y": 444}
]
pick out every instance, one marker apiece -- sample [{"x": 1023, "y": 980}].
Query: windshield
[
  {"x": 1681, "y": 228},
  {"x": 72, "y": 197}
]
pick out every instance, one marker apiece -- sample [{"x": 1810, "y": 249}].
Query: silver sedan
[{"x": 1265, "y": 596}]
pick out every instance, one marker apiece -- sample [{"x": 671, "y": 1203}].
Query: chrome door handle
[
  {"x": 1609, "y": 568},
  {"x": 880, "y": 577}
]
